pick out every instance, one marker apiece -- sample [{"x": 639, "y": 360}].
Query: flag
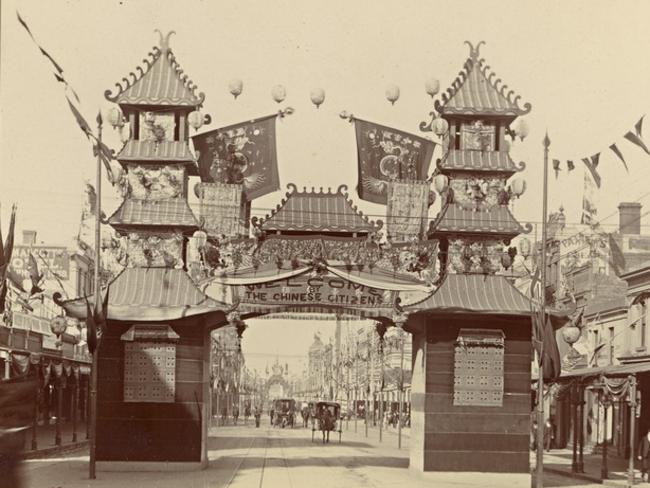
[
  {"x": 589, "y": 209},
  {"x": 592, "y": 164},
  {"x": 6, "y": 251},
  {"x": 616, "y": 256},
  {"x": 637, "y": 136},
  {"x": 243, "y": 154},
  {"x": 544, "y": 340},
  {"x": 385, "y": 154},
  {"x": 617, "y": 151},
  {"x": 95, "y": 322},
  {"x": 34, "y": 275},
  {"x": 556, "y": 167},
  {"x": 570, "y": 166}
]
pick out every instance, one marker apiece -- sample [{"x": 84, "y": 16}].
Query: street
[{"x": 242, "y": 456}]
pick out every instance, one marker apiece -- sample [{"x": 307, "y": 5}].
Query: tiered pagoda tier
[
  {"x": 475, "y": 220},
  {"x": 157, "y": 160}
]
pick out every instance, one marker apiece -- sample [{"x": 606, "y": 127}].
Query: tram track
[{"x": 246, "y": 456}]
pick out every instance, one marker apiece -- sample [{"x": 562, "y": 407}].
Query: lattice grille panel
[
  {"x": 149, "y": 372},
  {"x": 478, "y": 371}
]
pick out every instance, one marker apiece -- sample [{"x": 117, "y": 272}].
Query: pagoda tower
[
  {"x": 475, "y": 222},
  {"x": 153, "y": 359},
  {"x": 155, "y": 216},
  {"x": 471, "y": 339}
]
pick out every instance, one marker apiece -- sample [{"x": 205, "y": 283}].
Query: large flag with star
[
  {"x": 386, "y": 154},
  {"x": 242, "y": 154}
]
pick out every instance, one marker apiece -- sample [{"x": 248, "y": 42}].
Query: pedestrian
[
  {"x": 271, "y": 412},
  {"x": 644, "y": 456},
  {"x": 534, "y": 430},
  {"x": 258, "y": 414},
  {"x": 235, "y": 413},
  {"x": 224, "y": 414},
  {"x": 549, "y": 434}
]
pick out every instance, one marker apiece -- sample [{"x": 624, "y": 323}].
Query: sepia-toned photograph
[{"x": 324, "y": 244}]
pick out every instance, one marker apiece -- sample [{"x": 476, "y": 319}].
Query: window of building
[
  {"x": 150, "y": 364},
  {"x": 478, "y": 367}
]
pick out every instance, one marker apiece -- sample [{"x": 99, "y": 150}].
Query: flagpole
[
  {"x": 539, "y": 474},
  {"x": 93, "y": 371}
]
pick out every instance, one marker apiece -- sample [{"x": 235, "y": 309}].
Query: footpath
[{"x": 45, "y": 440}]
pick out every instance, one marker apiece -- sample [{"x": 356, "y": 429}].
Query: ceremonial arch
[{"x": 186, "y": 275}]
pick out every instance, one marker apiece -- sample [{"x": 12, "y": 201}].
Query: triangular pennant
[
  {"x": 638, "y": 127},
  {"x": 591, "y": 166},
  {"x": 570, "y": 166},
  {"x": 91, "y": 329},
  {"x": 617, "y": 151},
  {"x": 635, "y": 139},
  {"x": 83, "y": 124},
  {"x": 556, "y": 167}
]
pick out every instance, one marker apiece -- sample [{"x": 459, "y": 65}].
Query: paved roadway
[{"x": 245, "y": 457}]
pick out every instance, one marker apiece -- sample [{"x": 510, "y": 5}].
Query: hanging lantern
[
  {"x": 506, "y": 260},
  {"x": 58, "y": 326},
  {"x": 571, "y": 334},
  {"x": 432, "y": 87},
  {"x": 195, "y": 119},
  {"x": 278, "y": 93},
  {"x": 518, "y": 187},
  {"x": 125, "y": 133},
  {"x": 440, "y": 127},
  {"x": 317, "y": 96},
  {"x": 201, "y": 238},
  {"x": 524, "y": 247},
  {"x": 392, "y": 93},
  {"x": 115, "y": 117},
  {"x": 235, "y": 87},
  {"x": 522, "y": 129},
  {"x": 440, "y": 183}
]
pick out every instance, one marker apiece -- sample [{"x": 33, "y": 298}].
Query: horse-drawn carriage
[
  {"x": 284, "y": 412},
  {"x": 328, "y": 418}
]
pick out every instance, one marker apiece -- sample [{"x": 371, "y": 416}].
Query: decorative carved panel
[
  {"x": 482, "y": 189},
  {"x": 477, "y": 136},
  {"x": 475, "y": 256},
  {"x": 478, "y": 368},
  {"x": 157, "y": 126},
  {"x": 222, "y": 209}
]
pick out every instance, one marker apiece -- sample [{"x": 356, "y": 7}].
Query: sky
[{"x": 583, "y": 65}]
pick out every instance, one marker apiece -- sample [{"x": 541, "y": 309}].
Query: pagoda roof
[
  {"x": 149, "y": 294},
  {"x": 317, "y": 212},
  {"x": 496, "y": 220},
  {"x": 475, "y": 92},
  {"x": 171, "y": 212},
  {"x": 155, "y": 151},
  {"x": 160, "y": 82},
  {"x": 483, "y": 161}
]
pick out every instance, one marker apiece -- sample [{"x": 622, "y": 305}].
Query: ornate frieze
[
  {"x": 147, "y": 250},
  {"x": 155, "y": 182},
  {"x": 478, "y": 191},
  {"x": 475, "y": 256}
]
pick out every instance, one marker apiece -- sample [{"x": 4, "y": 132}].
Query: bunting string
[{"x": 99, "y": 148}]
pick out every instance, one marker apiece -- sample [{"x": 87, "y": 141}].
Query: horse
[
  {"x": 305, "y": 416},
  {"x": 326, "y": 424}
]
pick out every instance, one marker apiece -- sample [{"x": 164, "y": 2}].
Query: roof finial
[
  {"x": 164, "y": 40},
  {"x": 474, "y": 51}
]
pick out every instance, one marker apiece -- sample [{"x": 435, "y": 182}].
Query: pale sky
[{"x": 583, "y": 65}]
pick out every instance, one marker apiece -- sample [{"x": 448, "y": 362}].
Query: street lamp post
[
  {"x": 58, "y": 326},
  {"x": 400, "y": 324}
]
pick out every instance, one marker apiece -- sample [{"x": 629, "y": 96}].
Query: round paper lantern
[
  {"x": 392, "y": 93},
  {"x": 522, "y": 129},
  {"x": 235, "y": 87},
  {"x": 506, "y": 146},
  {"x": 195, "y": 119},
  {"x": 201, "y": 238},
  {"x": 440, "y": 126},
  {"x": 432, "y": 87},
  {"x": 58, "y": 325},
  {"x": 278, "y": 93},
  {"x": 518, "y": 187},
  {"x": 571, "y": 334},
  {"x": 524, "y": 247},
  {"x": 115, "y": 117},
  {"x": 440, "y": 183},
  {"x": 317, "y": 96}
]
